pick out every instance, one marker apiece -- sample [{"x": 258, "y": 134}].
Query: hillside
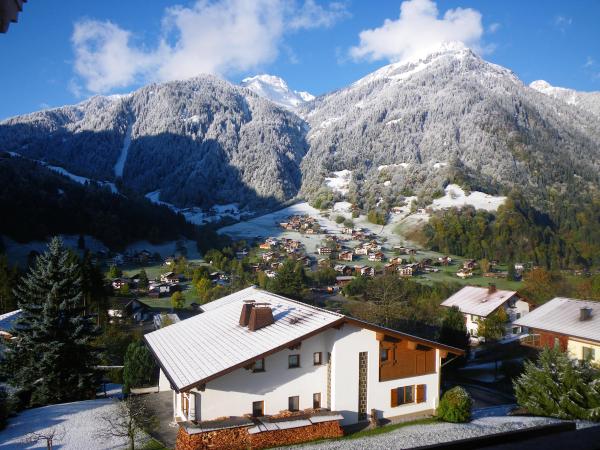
[
  {"x": 36, "y": 203},
  {"x": 585, "y": 101},
  {"x": 405, "y": 129},
  {"x": 449, "y": 117},
  {"x": 199, "y": 142}
]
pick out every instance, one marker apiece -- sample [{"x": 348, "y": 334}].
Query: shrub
[
  {"x": 339, "y": 219},
  {"x": 455, "y": 406}
]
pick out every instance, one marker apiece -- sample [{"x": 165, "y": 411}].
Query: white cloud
[
  {"x": 210, "y": 36},
  {"x": 104, "y": 57},
  {"x": 562, "y": 22},
  {"x": 494, "y": 27},
  {"x": 589, "y": 62},
  {"x": 313, "y": 15},
  {"x": 418, "y": 31}
]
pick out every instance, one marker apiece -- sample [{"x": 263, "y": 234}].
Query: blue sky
[{"x": 63, "y": 52}]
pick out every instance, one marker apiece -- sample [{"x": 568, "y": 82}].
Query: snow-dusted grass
[
  {"x": 340, "y": 181},
  {"x": 197, "y": 215},
  {"x": 422, "y": 434},
  {"x": 80, "y": 422},
  {"x": 456, "y": 197}
]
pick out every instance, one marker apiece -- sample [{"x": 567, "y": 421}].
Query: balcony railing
[{"x": 531, "y": 340}]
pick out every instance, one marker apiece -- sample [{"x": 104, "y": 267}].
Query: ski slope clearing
[
  {"x": 456, "y": 198},
  {"x": 340, "y": 181},
  {"x": 78, "y": 422},
  {"x": 199, "y": 216}
]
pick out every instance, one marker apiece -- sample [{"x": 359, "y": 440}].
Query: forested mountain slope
[
  {"x": 450, "y": 116},
  {"x": 200, "y": 142}
]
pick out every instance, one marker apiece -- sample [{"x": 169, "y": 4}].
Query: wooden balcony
[{"x": 532, "y": 340}]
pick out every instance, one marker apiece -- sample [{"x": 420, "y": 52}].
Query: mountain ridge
[{"x": 449, "y": 116}]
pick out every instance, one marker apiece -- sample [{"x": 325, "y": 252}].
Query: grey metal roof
[
  {"x": 203, "y": 346},
  {"x": 478, "y": 300},
  {"x": 561, "y": 315}
]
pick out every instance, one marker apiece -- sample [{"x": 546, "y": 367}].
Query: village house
[
  {"x": 343, "y": 269},
  {"x": 397, "y": 260},
  {"x": 469, "y": 264},
  {"x": 343, "y": 280},
  {"x": 268, "y": 256},
  {"x": 477, "y": 303},
  {"x": 346, "y": 256},
  {"x": 376, "y": 256},
  {"x": 169, "y": 277},
  {"x": 464, "y": 273},
  {"x": 445, "y": 260},
  {"x": 7, "y": 324},
  {"x": 567, "y": 323},
  {"x": 255, "y": 365},
  {"x": 120, "y": 283},
  {"x": 408, "y": 270},
  {"x": 264, "y": 246},
  {"x": 366, "y": 271},
  {"x": 324, "y": 250},
  {"x": 360, "y": 250}
]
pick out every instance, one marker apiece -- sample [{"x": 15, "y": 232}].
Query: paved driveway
[{"x": 161, "y": 403}]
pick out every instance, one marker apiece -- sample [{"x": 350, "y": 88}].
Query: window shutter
[
  {"x": 421, "y": 393},
  {"x": 394, "y": 397}
]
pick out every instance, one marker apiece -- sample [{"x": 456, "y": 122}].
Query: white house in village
[
  {"x": 260, "y": 354},
  {"x": 477, "y": 303}
]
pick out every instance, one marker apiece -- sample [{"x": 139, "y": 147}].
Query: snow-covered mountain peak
[
  {"x": 587, "y": 101},
  {"x": 399, "y": 71},
  {"x": 276, "y": 89}
]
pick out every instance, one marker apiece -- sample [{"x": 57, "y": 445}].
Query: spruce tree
[
  {"x": 51, "y": 356},
  {"x": 138, "y": 367},
  {"x": 557, "y": 387},
  {"x": 143, "y": 280}
]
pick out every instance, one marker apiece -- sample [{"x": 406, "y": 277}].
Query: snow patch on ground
[
  {"x": 429, "y": 434},
  {"x": 197, "y": 215},
  {"x": 81, "y": 422},
  {"x": 120, "y": 164},
  {"x": 339, "y": 181},
  {"x": 456, "y": 197},
  {"x": 392, "y": 166},
  {"x": 345, "y": 207}
]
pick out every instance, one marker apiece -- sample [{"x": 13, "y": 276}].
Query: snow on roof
[
  {"x": 478, "y": 300},
  {"x": 203, "y": 346},
  {"x": 7, "y": 320},
  {"x": 561, "y": 315}
]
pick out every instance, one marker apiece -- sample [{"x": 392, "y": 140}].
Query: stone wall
[{"x": 239, "y": 438}]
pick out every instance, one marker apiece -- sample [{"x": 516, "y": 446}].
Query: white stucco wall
[
  {"x": 350, "y": 342},
  {"x": 234, "y": 393},
  {"x": 520, "y": 309},
  {"x": 163, "y": 382}
]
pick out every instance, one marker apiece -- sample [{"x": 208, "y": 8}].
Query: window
[
  {"x": 258, "y": 409},
  {"x": 317, "y": 400},
  {"x": 384, "y": 354},
  {"x": 403, "y": 395},
  {"x": 421, "y": 393},
  {"x": 293, "y": 361},
  {"x": 259, "y": 365},
  {"x": 294, "y": 403},
  {"x": 317, "y": 358},
  {"x": 589, "y": 354}
]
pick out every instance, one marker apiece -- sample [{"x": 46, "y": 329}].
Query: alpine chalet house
[
  {"x": 570, "y": 324},
  {"x": 256, "y": 369},
  {"x": 477, "y": 303}
]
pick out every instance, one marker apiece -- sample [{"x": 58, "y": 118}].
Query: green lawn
[{"x": 389, "y": 428}]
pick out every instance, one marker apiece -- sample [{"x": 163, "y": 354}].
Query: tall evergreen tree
[
  {"x": 143, "y": 281},
  {"x": 52, "y": 357}
]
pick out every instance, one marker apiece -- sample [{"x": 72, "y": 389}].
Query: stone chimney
[
  {"x": 585, "y": 313},
  {"x": 246, "y": 311},
  {"x": 261, "y": 316}
]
